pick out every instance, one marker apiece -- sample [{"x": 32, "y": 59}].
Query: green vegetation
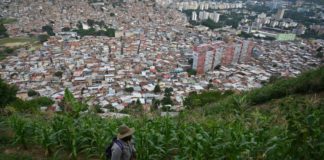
[
  {"x": 42, "y": 38},
  {"x": 14, "y": 157},
  {"x": 58, "y": 74},
  {"x": 308, "y": 82},
  {"x": 31, "y": 106},
  {"x": 260, "y": 9},
  {"x": 286, "y": 125},
  {"x": 312, "y": 34},
  {"x": 7, "y": 93},
  {"x": 157, "y": 89},
  {"x": 246, "y": 35},
  {"x": 167, "y": 97},
  {"x": 109, "y": 32},
  {"x": 32, "y": 93},
  {"x": 303, "y": 17},
  {"x": 211, "y": 24},
  {"x": 9, "y": 99},
  {"x": 231, "y": 19},
  {"x": 11, "y": 44},
  {"x": 321, "y": 2},
  {"x": 71, "y": 105},
  {"x": 3, "y": 31},
  {"x": 194, "y": 100},
  {"x": 5, "y": 52},
  {"x": 17, "y": 41},
  {"x": 250, "y": 35},
  {"x": 66, "y": 29},
  {"x": 320, "y": 52},
  {"x": 191, "y": 72},
  {"x": 2, "y": 56},
  {"x": 7, "y": 20},
  {"x": 49, "y": 30},
  {"x": 129, "y": 89}
]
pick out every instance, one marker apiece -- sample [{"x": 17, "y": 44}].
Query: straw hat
[{"x": 124, "y": 131}]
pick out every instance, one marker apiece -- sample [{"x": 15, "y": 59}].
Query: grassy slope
[
  {"x": 286, "y": 125},
  {"x": 263, "y": 122},
  {"x": 16, "y": 40},
  {"x": 7, "y": 20}
]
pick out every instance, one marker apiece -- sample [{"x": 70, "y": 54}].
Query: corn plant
[
  {"x": 22, "y": 129},
  {"x": 292, "y": 130},
  {"x": 45, "y": 136}
]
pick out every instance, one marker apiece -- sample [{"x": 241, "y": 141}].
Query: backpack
[{"x": 108, "y": 149}]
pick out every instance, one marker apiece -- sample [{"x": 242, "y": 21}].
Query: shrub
[
  {"x": 308, "y": 82},
  {"x": 43, "y": 38},
  {"x": 7, "y": 93},
  {"x": 129, "y": 89},
  {"x": 32, "y": 93}
]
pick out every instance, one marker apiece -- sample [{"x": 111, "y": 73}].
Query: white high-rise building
[
  {"x": 163, "y": 2},
  {"x": 201, "y": 6},
  {"x": 206, "y": 6},
  {"x": 262, "y": 15},
  {"x": 280, "y": 14},
  {"x": 203, "y": 15},
  {"x": 194, "y": 16},
  {"x": 214, "y": 16}
]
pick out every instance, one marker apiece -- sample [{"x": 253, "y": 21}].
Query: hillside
[{"x": 283, "y": 120}]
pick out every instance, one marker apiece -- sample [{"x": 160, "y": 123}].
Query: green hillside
[{"x": 283, "y": 120}]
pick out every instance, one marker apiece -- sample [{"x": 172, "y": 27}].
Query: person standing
[{"x": 123, "y": 148}]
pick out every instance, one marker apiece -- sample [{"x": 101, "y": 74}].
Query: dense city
[
  {"x": 116, "y": 53},
  {"x": 161, "y": 79}
]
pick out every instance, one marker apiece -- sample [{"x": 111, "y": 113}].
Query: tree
[
  {"x": 155, "y": 103},
  {"x": 90, "y": 22},
  {"x": 71, "y": 105},
  {"x": 97, "y": 109},
  {"x": 66, "y": 29},
  {"x": 157, "y": 89},
  {"x": 79, "y": 25},
  {"x": 168, "y": 91},
  {"x": 8, "y": 50},
  {"x": 112, "y": 14},
  {"x": 211, "y": 24},
  {"x": 101, "y": 23},
  {"x": 58, "y": 74},
  {"x": 31, "y": 106},
  {"x": 43, "y": 38},
  {"x": 3, "y": 31},
  {"x": 138, "y": 102},
  {"x": 217, "y": 67},
  {"x": 198, "y": 100},
  {"x": 110, "y": 32},
  {"x": 7, "y": 93},
  {"x": 245, "y": 35},
  {"x": 32, "y": 93},
  {"x": 167, "y": 100},
  {"x": 191, "y": 71},
  {"x": 320, "y": 55},
  {"x": 129, "y": 89},
  {"x": 41, "y": 101},
  {"x": 48, "y": 29},
  {"x": 167, "y": 96}
]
